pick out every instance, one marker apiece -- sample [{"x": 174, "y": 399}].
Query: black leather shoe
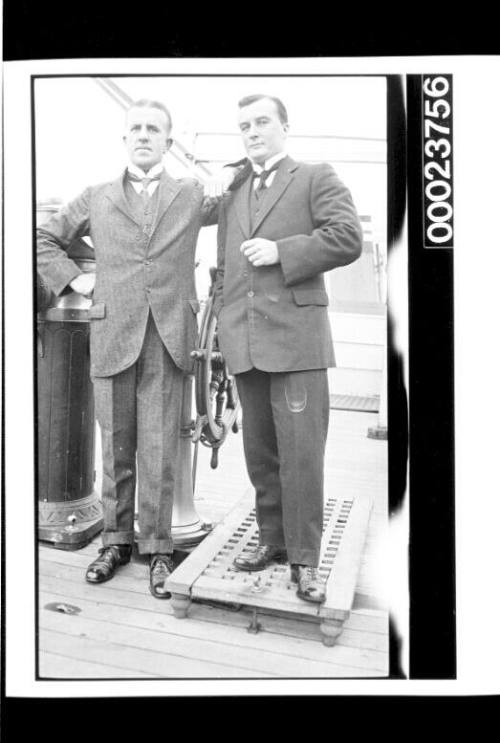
[
  {"x": 310, "y": 586},
  {"x": 160, "y": 568},
  {"x": 104, "y": 566},
  {"x": 260, "y": 558}
]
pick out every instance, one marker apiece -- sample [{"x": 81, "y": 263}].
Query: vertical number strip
[{"x": 437, "y": 137}]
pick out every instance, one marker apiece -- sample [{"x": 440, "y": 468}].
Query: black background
[
  {"x": 55, "y": 30},
  {"x": 432, "y": 506}
]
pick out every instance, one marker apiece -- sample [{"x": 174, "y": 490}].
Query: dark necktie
[{"x": 264, "y": 176}]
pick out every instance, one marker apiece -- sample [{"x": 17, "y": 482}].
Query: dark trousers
[
  {"x": 139, "y": 412},
  {"x": 285, "y": 424}
]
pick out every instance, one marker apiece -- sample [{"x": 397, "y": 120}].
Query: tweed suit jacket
[
  {"x": 275, "y": 318},
  {"x": 136, "y": 271}
]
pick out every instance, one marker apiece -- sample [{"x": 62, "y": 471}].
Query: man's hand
[
  {"x": 83, "y": 284},
  {"x": 218, "y": 184},
  {"x": 260, "y": 252}
]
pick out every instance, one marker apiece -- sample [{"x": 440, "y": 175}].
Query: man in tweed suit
[
  {"x": 278, "y": 232},
  {"x": 144, "y": 228}
]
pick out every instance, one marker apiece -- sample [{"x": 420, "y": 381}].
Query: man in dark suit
[
  {"x": 279, "y": 231},
  {"x": 144, "y": 228}
]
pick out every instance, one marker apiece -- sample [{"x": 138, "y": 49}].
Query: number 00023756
[{"x": 437, "y": 161}]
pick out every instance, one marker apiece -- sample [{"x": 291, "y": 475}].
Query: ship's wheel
[{"x": 217, "y": 403}]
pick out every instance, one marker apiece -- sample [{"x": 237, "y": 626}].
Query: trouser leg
[
  {"x": 300, "y": 408},
  {"x": 116, "y": 413},
  {"x": 261, "y": 454},
  {"x": 159, "y": 402}
]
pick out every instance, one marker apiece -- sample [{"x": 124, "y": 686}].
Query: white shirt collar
[
  {"x": 155, "y": 170},
  {"x": 269, "y": 163}
]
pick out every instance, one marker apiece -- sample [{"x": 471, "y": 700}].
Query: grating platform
[
  {"x": 361, "y": 403},
  {"x": 208, "y": 572}
]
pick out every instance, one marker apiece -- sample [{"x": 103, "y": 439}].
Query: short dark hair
[
  {"x": 149, "y": 103},
  {"x": 282, "y": 112}
]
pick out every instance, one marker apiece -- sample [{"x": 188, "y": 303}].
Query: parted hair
[
  {"x": 249, "y": 99},
  {"x": 149, "y": 103}
]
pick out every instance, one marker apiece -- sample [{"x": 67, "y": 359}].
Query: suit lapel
[
  {"x": 168, "y": 190},
  {"x": 282, "y": 179},
  {"x": 242, "y": 206},
  {"x": 116, "y": 194}
]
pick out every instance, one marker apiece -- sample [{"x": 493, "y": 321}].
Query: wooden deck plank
[
  {"x": 366, "y": 622},
  {"x": 370, "y": 626},
  {"x": 132, "y": 658},
  {"x": 236, "y": 622},
  {"x": 58, "y": 666},
  {"x": 225, "y": 658},
  {"x": 231, "y": 637}
]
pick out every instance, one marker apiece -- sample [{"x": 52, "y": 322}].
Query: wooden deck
[{"x": 119, "y": 631}]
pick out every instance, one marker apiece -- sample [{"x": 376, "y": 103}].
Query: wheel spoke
[{"x": 216, "y": 394}]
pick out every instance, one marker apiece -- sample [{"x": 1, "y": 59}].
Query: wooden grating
[
  {"x": 362, "y": 403},
  {"x": 208, "y": 572}
]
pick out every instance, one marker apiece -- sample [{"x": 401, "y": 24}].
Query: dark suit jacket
[
  {"x": 275, "y": 318},
  {"x": 135, "y": 271}
]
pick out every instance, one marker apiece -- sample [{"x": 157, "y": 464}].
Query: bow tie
[{"x": 264, "y": 176}]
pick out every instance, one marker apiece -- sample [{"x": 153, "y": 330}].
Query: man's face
[
  {"x": 263, "y": 133},
  {"x": 146, "y": 136}
]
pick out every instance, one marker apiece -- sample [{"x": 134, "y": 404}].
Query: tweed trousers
[
  {"x": 139, "y": 413},
  {"x": 285, "y": 425}
]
